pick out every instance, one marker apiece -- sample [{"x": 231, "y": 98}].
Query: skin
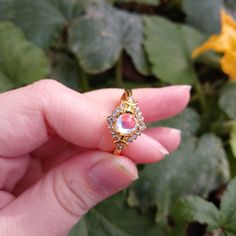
[{"x": 56, "y": 158}]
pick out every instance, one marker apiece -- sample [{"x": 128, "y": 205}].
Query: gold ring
[{"x": 126, "y": 122}]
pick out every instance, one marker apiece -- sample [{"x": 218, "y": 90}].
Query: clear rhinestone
[
  {"x": 120, "y": 146},
  {"x": 115, "y": 135},
  {"x": 134, "y": 136},
  {"x": 138, "y": 132},
  {"x": 110, "y": 119},
  {"x": 116, "y": 111},
  {"x": 130, "y": 140},
  {"x": 142, "y": 126},
  {"x": 140, "y": 116}
]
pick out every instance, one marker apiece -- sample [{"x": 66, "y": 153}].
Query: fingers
[
  {"x": 11, "y": 171},
  {"x": 145, "y": 150},
  {"x": 155, "y": 103},
  {"x": 5, "y": 199},
  {"x": 169, "y": 138},
  {"x": 77, "y": 118},
  {"x": 82, "y": 121},
  {"x": 67, "y": 193},
  {"x": 46, "y": 158}
]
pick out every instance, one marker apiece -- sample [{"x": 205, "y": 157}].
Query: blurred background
[{"x": 91, "y": 44}]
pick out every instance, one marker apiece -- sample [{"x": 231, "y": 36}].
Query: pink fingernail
[
  {"x": 187, "y": 87},
  {"x": 156, "y": 145},
  {"x": 175, "y": 131},
  {"x": 113, "y": 174}
]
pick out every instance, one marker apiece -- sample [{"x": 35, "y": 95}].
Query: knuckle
[
  {"x": 72, "y": 199},
  {"x": 46, "y": 84},
  {"x": 45, "y": 90}
]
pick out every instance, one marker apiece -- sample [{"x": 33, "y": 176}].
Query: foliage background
[{"x": 89, "y": 44}]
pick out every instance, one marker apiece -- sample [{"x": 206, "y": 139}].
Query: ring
[{"x": 126, "y": 122}]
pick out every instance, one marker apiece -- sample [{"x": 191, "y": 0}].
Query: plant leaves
[
  {"x": 187, "y": 121},
  {"x": 21, "y": 62},
  {"x": 169, "y": 48},
  {"x": 193, "y": 208},
  {"x": 99, "y": 37},
  {"x": 227, "y": 100},
  {"x": 64, "y": 69},
  {"x": 232, "y": 140},
  {"x": 43, "y": 21},
  {"x": 114, "y": 218},
  {"x": 132, "y": 40},
  {"x": 227, "y": 207},
  {"x": 5, "y": 10},
  {"x": 94, "y": 40},
  {"x": 148, "y": 2},
  {"x": 182, "y": 173},
  {"x": 222, "y": 221},
  {"x": 204, "y": 15},
  {"x": 94, "y": 30}
]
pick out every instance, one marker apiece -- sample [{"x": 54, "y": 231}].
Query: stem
[
  {"x": 118, "y": 72},
  {"x": 84, "y": 84},
  {"x": 201, "y": 96},
  {"x": 83, "y": 79}
]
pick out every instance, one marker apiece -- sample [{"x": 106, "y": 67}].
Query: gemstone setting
[{"x": 126, "y": 123}]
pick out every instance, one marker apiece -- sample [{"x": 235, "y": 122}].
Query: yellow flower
[{"x": 225, "y": 43}]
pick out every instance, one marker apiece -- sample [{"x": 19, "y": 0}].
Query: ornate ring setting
[{"x": 126, "y": 122}]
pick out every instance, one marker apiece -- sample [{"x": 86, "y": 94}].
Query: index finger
[{"x": 28, "y": 114}]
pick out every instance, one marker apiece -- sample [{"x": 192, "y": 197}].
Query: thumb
[{"x": 56, "y": 202}]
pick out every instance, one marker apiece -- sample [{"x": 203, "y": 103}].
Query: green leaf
[
  {"x": 232, "y": 140},
  {"x": 43, "y": 21},
  {"x": 80, "y": 229},
  {"x": 193, "y": 208},
  {"x": 5, "y": 10},
  {"x": 184, "y": 172},
  {"x": 95, "y": 38},
  {"x": 228, "y": 205},
  {"x": 94, "y": 30},
  {"x": 169, "y": 48},
  {"x": 64, "y": 69},
  {"x": 114, "y": 218},
  {"x": 222, "y": 222},
  {"x": 148, "y": 2},
  {"x": 187, "y": 121},
  {"x": 132, "y": 40},
  {"x": 204, "y": 15},
  {"x": 227, "y": 100},
  {"x": 99, "y": 37},
  {"x": 21, "y": 62}
]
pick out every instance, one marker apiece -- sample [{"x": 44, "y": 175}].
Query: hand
[{"x": 55, "y": 152}]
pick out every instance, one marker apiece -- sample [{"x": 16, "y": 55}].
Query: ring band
[{"x": 126, "y": 122}]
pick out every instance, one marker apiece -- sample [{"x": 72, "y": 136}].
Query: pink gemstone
[{"x": 128, "y": 121}]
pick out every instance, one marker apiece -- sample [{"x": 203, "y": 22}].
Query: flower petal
[
  {"x": 225, "y": 42},
  {"x": 228, "y": 64}
]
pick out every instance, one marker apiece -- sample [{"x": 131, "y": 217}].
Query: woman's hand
[{"x": 55, "y": 152}]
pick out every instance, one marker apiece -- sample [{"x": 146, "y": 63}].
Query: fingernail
[
  {"x": 175, "y": 131},
  {"x": 156, "y": 145},
  {"x": 187, "y": 87},
  {"x": 113, "y": 174}
]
